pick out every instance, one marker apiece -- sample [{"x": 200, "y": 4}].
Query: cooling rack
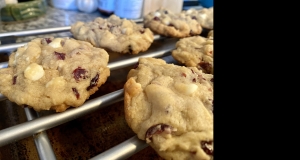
[{"x": 37, "y": 126}]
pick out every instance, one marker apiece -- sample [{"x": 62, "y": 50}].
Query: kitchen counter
[{"x": 54, "y": 17}]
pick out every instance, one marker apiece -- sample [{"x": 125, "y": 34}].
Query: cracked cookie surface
[
  {"x": 167, "y": 23},
  {"x": 54, "y": 73},
  {"x": 196, "y": 51},
  {"x": 118, "y": 35},
  {"x": 170, "y": 107}
]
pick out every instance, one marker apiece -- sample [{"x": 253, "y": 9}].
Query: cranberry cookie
[
  {"x": 54, "y": 73},
  {"x": 115, "y": 34},
  {"x": 167, "y": 23},
  {"x": 195, "y": 51},
  {"x": 203, "y": 16},
  {"x": 170, "y": 107}
]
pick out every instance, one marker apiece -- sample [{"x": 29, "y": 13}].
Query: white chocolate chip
[
  {"x": 148, "y": 38},
  {"x": 166, "y": 21},
  {"x": 157, "y": 14},
  {"x": 189, "y": 11},
  {"x": 56, "y": 82},
  {"x": 25, "y": 46},
  {"x": 55, "y": 43},
  {"x": 186, "y": 89},
  {"x": 16, "y": 55},
  {"x": 34, "y": 72},
  {"x": 203, "y": 16},
  {"x": 123, "y": 30}
]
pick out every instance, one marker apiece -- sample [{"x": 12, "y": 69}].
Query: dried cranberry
[
  {"x": 76, "y": 93},
  {"x": 183, "y": 74},
  {"x": 48, "y": 40},
  {"x": 156, "y": 18},
  {"x": 192, "y": 71},
  {"x": 142, "y": 31},
  {"x": 194, "y": 79},
  {"x": 93, "y": 82},
  {"x": 157, "y": 129},
  {"x": 136, "y": 65},
  {"x": 79, "y": 73},
  {"x": 60, "y": 56},
  {"x": 15, "y": 79},
  {"x": 206, "y": 149},
  {"x": 210, "y": 52},
  {"x": 204, "y": 65},
  {"x": 171, "y": 25},
  {"x": 130, "y": 49}
]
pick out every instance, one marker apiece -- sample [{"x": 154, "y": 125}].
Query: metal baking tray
[{"x": 95, "y": 130}]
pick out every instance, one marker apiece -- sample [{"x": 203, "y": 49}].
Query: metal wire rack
[{"x": 36, "y": 126}]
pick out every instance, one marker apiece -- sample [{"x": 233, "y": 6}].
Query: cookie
[
  {"x": 203, "y": 16},
  {"x": 210, "y": 34},
  {"x": 170, "y": 107},
  {"x": 167, "y": 23},
  {"x": 115, "y": 34},
  {"x": 195, "y": 51},
  {"x": 54, "y": 73}
]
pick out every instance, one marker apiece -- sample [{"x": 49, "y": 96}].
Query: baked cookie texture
[
  {"x": 210, "y": 34},
  {"x": 171, "y": 107},
  {"x": 169, "y": 24},
  {"x": 203, "y": 16},
  {"x": 115, "y": 34},
  {"x": 196, "y": 51},
  {"x": 54, "y": 73}
]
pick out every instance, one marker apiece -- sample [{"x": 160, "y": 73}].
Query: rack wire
[{"x": 36, "y": 126}]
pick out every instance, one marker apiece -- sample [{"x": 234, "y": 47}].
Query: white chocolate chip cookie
[
  {"x": 203, "y": 16},
  {"x": 115, "y": 34},
  {"x": 195, "y": 51},
  {"x": 170, "y": 107},
  {"x": 166, "y": 23},
  {"x": 54, "y": 73}
]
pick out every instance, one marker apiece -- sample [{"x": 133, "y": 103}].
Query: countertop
[{"x": 54, "y": 17}]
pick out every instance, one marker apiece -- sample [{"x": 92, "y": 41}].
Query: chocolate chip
[
  {"x": 142, "y": 31},
  {"x": 93, "y": 82},
  {"x": 165, "y": 11}
]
